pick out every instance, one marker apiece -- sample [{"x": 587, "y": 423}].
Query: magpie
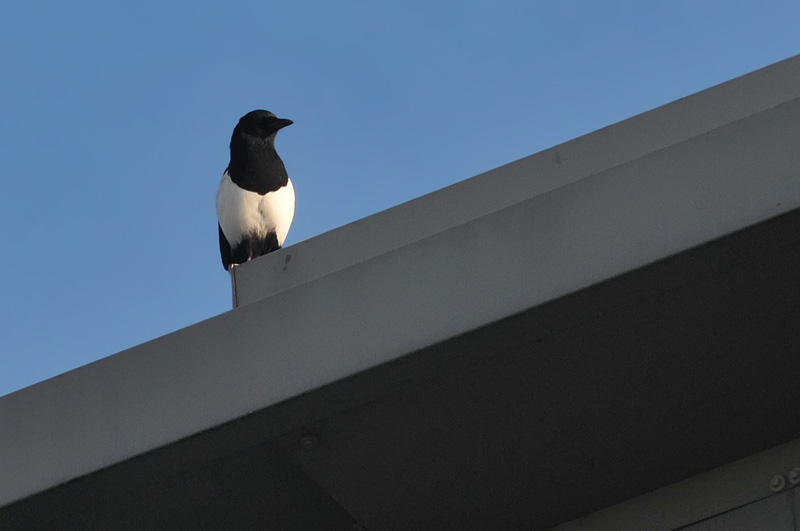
[{"x": 255, "y": 198}]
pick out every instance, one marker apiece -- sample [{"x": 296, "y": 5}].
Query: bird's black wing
[{"x": 224, "y": 249}]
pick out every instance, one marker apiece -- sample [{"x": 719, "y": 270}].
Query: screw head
[
  {"x": 794, "y": 476},
  {"x": 777, "y": 483},
  {"x": 308, "y": 441}
]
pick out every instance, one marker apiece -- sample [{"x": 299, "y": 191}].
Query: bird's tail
[{"x": 232, "y": 271}]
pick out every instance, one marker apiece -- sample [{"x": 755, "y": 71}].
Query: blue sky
[{"x": 115, "y": 120}]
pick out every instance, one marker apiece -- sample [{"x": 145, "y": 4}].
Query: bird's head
[{"x": 260, "y": 124}]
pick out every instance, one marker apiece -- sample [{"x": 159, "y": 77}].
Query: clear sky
[{"x": 115, "y": 119}]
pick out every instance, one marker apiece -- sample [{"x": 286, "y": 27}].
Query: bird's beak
[{"x": 280, "y": 123}]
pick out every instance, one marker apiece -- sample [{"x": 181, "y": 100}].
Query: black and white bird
[{"x": 255, "y": 199}]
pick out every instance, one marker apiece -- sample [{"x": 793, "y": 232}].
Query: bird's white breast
[{"x": 242, "y": 212}]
